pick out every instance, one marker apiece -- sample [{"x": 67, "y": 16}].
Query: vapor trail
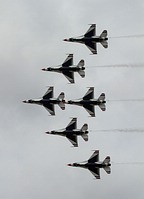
[
  {"x": 119, "y": 66},
  {"x": 126, "y": 130},
  {"x": 127, "y": 100},
  {"x": 130, "y": 163},
  {"x": 127, "y": 36}
]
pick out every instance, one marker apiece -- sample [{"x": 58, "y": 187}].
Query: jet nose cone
[
  {"x": 44, "y": 69},
  {"x": 24, "y": 101},
  {"x": 47, "y": 132},
  {"x": 69, "y": 164},
  {"x": 65, "y": 40}
]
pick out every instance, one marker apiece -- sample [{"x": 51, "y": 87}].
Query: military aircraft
[
  {"x": 48, "y": 101},
  {"x": 88, "y": 102},
  {"x": 68, "y": 69},
  {"x": 71, "y": 132},
  {"x": 93, "y": 164},
  {"x": 90, "y": 39}
]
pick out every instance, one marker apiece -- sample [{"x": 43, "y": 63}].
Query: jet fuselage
[
  {"x": 66, "y": 69},
  {"x": 88, "y": 39},
  {"x": 64, "y": 132},
  {"x": 91, "y": 165},
  {"x": 44, "y": 101},
  {"x": 86, "y": 102}
]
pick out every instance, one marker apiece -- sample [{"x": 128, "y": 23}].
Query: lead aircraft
[
  {"x": 68, "y": 69},
  {"x": 71, "y": 132},
  {"x": 88, "y": 102},
  {"x": 48, "y": 101},
  {"x": 93, "y": 164},
  {"x": 90, "y": 39}
]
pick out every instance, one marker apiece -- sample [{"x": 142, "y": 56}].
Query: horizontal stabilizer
[
  {"x": 104, "y": 43},
  {"x": 81, "y": 63},
  {"x": 61, "y": 96},
  {"x": 84, "y": 128},
  {"x": 101, "y": 97},
  {"x": 106, "y": 160},
  {"x": 82, "y": 73},
  {"x": 102, "y": 106},
  {"x": 103, "y": 34},
  {"x": 85, "y": 137},
  {"x": 107, "y": 169},
  {"x": 62, "y": 105}
]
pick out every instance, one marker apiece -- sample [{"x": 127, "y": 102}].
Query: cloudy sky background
[{"x": 33, "y": 164}]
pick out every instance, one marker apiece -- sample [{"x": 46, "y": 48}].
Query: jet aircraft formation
[{"x": 71, "y": 132}]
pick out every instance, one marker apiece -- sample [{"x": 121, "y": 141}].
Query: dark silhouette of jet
[
  {"x": 71, "y": 132},
  {"x": 93, "y": 164},
  {"x": 90, "y": 39},
  {"x": 48, "y": 101},
  {"x": 88, "y": 102},
  {"x": 68, "y": 69}
]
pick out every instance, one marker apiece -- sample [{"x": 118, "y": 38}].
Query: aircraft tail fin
[
  {"x": 84, "y": 128},
  {"x": 107, "y": 169},
  {"x": 85, "y": 137},
  {"x": 103, "y": 35},
  {"x": 104, "y": 43},
  {"x": 62, "y": 101}
]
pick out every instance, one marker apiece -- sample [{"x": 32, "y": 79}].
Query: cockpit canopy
[{"x": 30, "y": 101}]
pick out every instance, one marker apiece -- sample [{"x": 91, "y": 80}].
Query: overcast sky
[{"x": 33, "y": 165}]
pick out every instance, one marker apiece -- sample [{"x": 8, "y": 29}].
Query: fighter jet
[
  {"x": 68, "y": 69},
  {"x": 48, "y": 101},
  {"x": 94, "y": 165},
  {"x": 90, "y": 39},
  {"x": 71, "y": 132},
  {"x": 88, "y": 102}
]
